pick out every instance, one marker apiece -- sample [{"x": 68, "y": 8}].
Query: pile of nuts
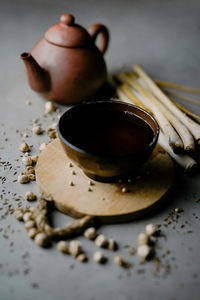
[{"x": 146, "y": 242}]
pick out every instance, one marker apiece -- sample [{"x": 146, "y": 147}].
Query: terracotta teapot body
[{"x": 66, "y": 66}]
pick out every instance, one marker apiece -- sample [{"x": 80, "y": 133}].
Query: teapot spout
[{"x": 38, "y": 78}]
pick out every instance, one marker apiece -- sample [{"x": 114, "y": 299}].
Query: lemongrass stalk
[
  {"x": 179, "y": 87},
  {"x": 190, "y": 124},
  {"x": 186, "y": 111},
  {"x": 182, "y": 130},
  {"x": 130, "y": 96},
  {"x": 182, "y": 97},
  {"x": 184, "y": 160},
  {"x": 149, "y": 101}
]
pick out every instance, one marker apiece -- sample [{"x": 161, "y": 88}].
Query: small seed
[
  {"x": 30, "y": 196},
  {"x": 143, "y": 238},
  {"x": 144, "y": 251},
  {"x": 32, "y": 232},
  {"x": 176, "y": 210},
  {"x": 90, "y": 233},
  {"x": 118, "y": 260},
  {"x": 101, "y": 241},
  {"x": 98, "y": 257},
  {"x": 71, "y": 165},
  {"x": 29, "y": 224},
  {"x": 74, "y": 247},
  {"x": 24, "y": 147},
  {"x": 27, "y": 161},
  {"x": 29, "y": 170},
  {"x": 41, "y": 239},
  {"x": 90, "y": 182},
  {"x": 18, "y": 213},
  {"x": 151, "y": 229},
  {"x": 23, "y": 178},
  {"x": 42, "y": 147},
  {"x": 82, "y": 257},
  {"x": 49, "y": 107},
  {"x": 37, "y": 129},
  {"x": 63, "y": 247},
  {"x": 71, "y": 183},
  {"x": 27, "y": 216},
  {"x": 124, "y": 190},
  {"x": 73, "y": 172},
  {"x": 90, "y": 190}
]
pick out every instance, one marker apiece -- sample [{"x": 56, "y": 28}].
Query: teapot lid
[{"x": 68, "y": 34}]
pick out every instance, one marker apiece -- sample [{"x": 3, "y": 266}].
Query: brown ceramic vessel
[
  {"x": 101, "y": 147},
  {"x": 66, "y": 66}
]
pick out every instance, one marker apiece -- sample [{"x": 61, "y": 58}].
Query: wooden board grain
[{"x": 106, "y": 200}]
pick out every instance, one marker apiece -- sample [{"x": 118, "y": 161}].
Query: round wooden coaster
[{"x": 104, "y": 200}]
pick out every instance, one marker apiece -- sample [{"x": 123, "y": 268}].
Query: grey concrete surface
[{"x": 164, "y": 37}]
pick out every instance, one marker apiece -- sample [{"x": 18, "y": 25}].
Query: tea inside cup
[{"x": 107, "y": 139}]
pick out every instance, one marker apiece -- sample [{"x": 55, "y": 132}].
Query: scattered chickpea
[
  {"x": 30, "y": 196},
  {"x": 90, "y": 233},
  {"x": 23, "y": 178},
  {"x": 41, "y": 239},
  {"x": 18, "y": 213},
  {"x": 29, "y": 170},
  {"x": 101, "y": 241},
  {"x": 151, "y": 229},
  {"x": 71, "y": 183},
  {"x": 27, "y": 216},
  {"x": 32, "y": 209},
  {"x": 52, "y": 133},
  {"x": 24, "y": 147},
  {"x": 31, "y": 177},
  {"x": 32, "y": 232},
  {"x": 143, "y": 238},
  {"x": 36, "y": 129},
  {"x": 74, "y": 247},
  {"x": 54, "y": 126},
  {"x": 73, "y": 172},
  {"x": 63, "y": 247},
  {"x": 27, "y": 161},
  {"x": 34, "y": 158},
  {"x": 42, "y": 147},
  {"x": 118, "y": 260},
  {"x": 49, "y": 107},
  {"x": 112, "y": 244},
  {"x": 90, "y": 190},
  {"x": 29, "y": 224},
  {"x": 176, "y": 210},
  {"x": 71, "y": 165},
  {"x": 144, "y": 251},
  {"x": 98, "y": 257},
  {"x": 82, "y": 257}
]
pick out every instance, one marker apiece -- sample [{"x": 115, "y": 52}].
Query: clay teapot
[{"x": 66, "y": 66}]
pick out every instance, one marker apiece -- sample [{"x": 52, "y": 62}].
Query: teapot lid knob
[{"x": 67, "y": 19}]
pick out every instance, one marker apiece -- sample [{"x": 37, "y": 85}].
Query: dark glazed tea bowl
[{"x": 107, "y": 139}]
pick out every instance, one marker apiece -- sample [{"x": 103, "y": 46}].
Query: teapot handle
[{"x": 96, "y": 29}]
